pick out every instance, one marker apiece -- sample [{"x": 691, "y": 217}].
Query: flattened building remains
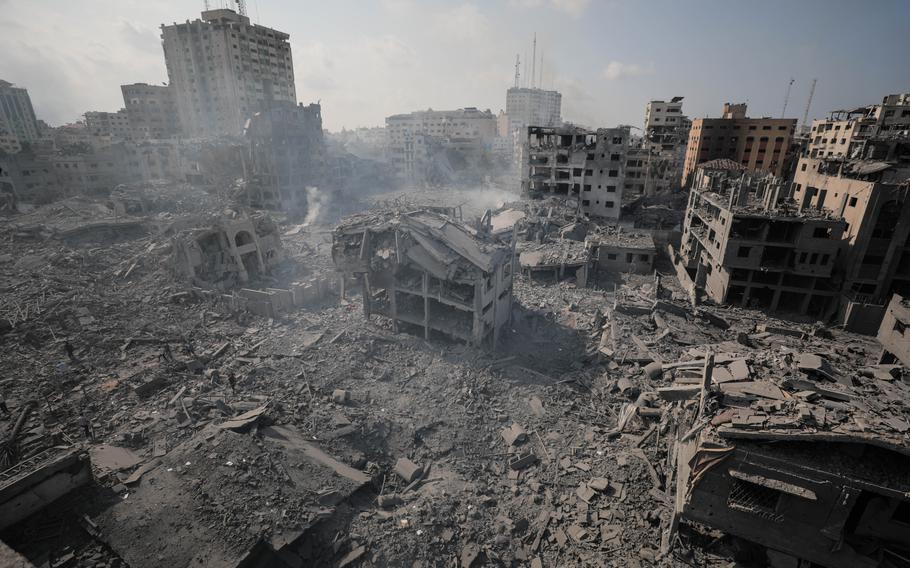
[{"x": 797, "y": 454}]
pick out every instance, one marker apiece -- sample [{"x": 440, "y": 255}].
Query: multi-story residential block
[
  {"x": 223, "y": 69},
  {"x": 17, "y": 118},
  {"x": 416, "y": 137},
  {"x": 152, "y": 111},
  {"x": 833, "y": 137},
  {"x": 893, "y": 332},
  {"x": 108, "y": 126},
  {"x": 532, "y": 107},
  {"x": 665, "y": 136},
  {"x": 286, "y": 156},
  {"x": 759, "y": 144},
  {"x": 589, "y": 166},
  {"x": 870, "y": 192},
  {"x": 744, "y": 243}
]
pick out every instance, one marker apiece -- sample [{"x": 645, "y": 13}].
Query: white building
[
  {"x": 223, "y": 69},
  {"x": 467, "y": 130},
  {"x": 532, "y": 107}
]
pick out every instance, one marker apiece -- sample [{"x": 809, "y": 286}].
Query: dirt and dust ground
[{"x": 441, "y": 404}]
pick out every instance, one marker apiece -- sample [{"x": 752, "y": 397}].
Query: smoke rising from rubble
[{"x": 317, "y": 202}]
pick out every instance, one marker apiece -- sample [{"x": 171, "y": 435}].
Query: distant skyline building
[
  {"x": 17, "y": 118},
  {"x": 223, "y": 69},
  {"x": 528, "y": 106}
]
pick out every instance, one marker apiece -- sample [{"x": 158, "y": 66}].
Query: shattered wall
[{"x": 228, "y": 253}]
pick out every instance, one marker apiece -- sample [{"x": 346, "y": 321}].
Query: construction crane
[
  {"x": 787, "y": 97},
  {"x": 517, "y": 73},
  {"x": 808, "y": 104},
  {"x": 241, "y": 7}
]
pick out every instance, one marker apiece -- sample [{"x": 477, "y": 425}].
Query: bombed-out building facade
[
  {"x": 745, "y": 244},
  {"x": 586, "y": 165}
]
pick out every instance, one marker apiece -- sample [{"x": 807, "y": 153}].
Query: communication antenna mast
[
  {"x": 809, "y": 104},
  {"x": 241, "y": 7},
  {"x": 517, "y": 73},
  {"x": 205, "y": 3},
  {"x": 534, "y": 61},
  {"x": 540, "y": 80},
  {"x": 786, "y": 97}
]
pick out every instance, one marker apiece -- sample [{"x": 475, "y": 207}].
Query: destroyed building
[
  {"x": 151, "y": 110},
  {"x": 285, "y": 156},
  {"x": 893, "y": 334},
  {"x": 665, "y": 138},
  {"x": 18, "y": 124},
  {"x": 615, "y": 250},
  {"x": 744, "y": 244},
  {"x": 562, "y": 258},
  {"x": 229, "y": 252},
  {"x": 759, "y": 144},
  {"x": 428, "y": 272},
  {"x": 585, "y": 165},
  {"x": 866, "y": 183},
  {"x": 799, "y": 455}
]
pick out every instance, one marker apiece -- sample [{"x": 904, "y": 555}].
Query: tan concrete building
[
  {"x": 666, "y": 134},
  {"x": 152, "y": 111},
  {"x": 871, "y": 195},
  {"x": 833, "y": 137},
  {"x": 894, "y": 332},
  {"x": 223, "y": 69},
  {"x": 744, "y": 243},
  {"x": 759, "y": 144},
  {"x": 586, "y": 165}
]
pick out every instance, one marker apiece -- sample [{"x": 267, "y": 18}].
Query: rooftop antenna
[
  {"x": 534, "y": 61},
  {"x": 241, "y": 7},
  {"x": 540, "y": 80},
  {"x": 205, "y": 4},
  {"x": 517, "y": 73},
  {"x": 809, "y": 103},
  {"x": 787, "y": 97}
]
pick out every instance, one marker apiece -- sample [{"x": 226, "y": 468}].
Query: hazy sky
[{"x": 365, "y": 60}]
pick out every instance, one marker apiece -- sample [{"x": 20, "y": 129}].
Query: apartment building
[
  {"x": 17, "y": 117},
  {"x": 532, "y": 107},
  {"x": 666, "y": 133},
  {"x": 833, "y": 137},
  {"x": 870, "y": 192},
  {"x": 586, "y": 165},
  {"x": 744, "y": 243},
  {"x": 223, "y": 69},
  {"x": 108, "y": 126},
  {"x": 286, "y": 155},
  {"x": 151, "y": 110},
  {"x": 415, "y": 138},
  {"x": 759, "y": 144}
]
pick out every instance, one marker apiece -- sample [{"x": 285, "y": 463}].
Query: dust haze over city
[{"x": 546, "y": 283}]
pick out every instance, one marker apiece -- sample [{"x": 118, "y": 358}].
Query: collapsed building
[
  {"x": 428, "y": 272},
  {"x": 228, "y": 252},
  {"x": 787, "y": 450},
  {"x": 743, "y": 243},
  {"x": 585, "y": 165},
  {"x": 614, "y": 250}
]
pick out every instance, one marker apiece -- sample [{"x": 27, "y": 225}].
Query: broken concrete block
[
  {"x": 352, "y": 556},
  {"x": 536, "y": 407},
  {"x": 585, "y": 493},
  {"x": 526, "y": 459},
  {"x": 341, "y": 396},
  {"x": 609, "y": 534},
  {"x": 654, "y": 370},
  {"x": 389, "y": 501},
  {"x": 469, "y": 554},
  {"x": 407, "y": 470},
  {"x": 577, "y": 533},
  {"x": 675, "y": 393},
  {"x": 514, "y": 434},
  {"x": 599, "y": 484}
]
